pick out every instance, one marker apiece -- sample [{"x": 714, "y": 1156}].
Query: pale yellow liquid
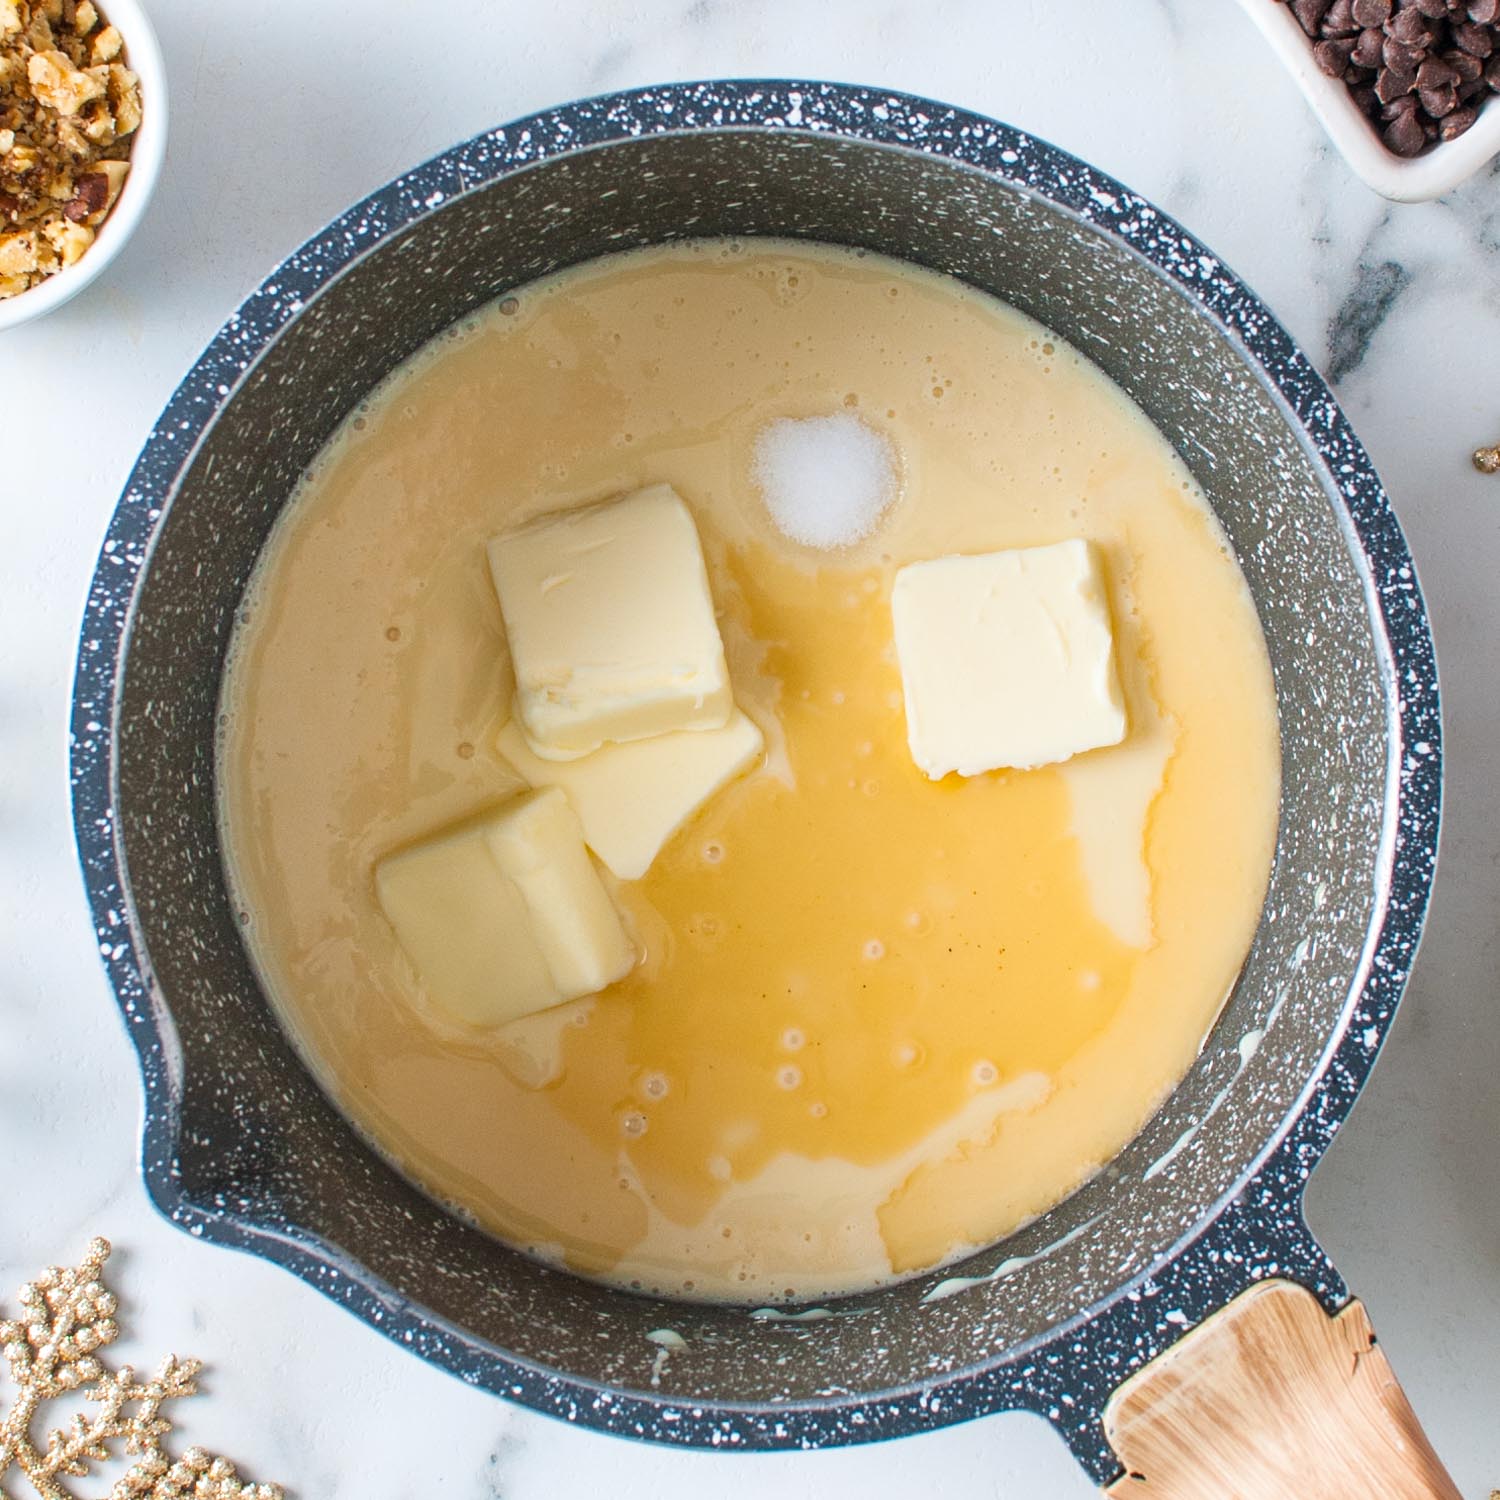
[{"x": 878, "y": 1020}]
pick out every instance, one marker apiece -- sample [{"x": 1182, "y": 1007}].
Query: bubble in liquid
[
  {"x": 913, "y": 919},
  {"x": 509, "y": 306},
  {"x": 655, "y": 1086},
  {"x": 360, "y": 424},
  {"x": 818, "y": 1110},
  {"x": 985, "y": 1073},
  {"x": 851, "y": 399},
  {"x": 465, "y": 751},
  {"x": 707, "y": 926},
  {"x": 837, "y": 696},
  {"x": 1089, "y": 979},
  {"x": 792, "y": 1040},
  {"x": 633, "y": 1124},
  {"x": 906, "y": 1054},
  {"x": 789, "y": 1077},
  {"x": 874, "y": 949},
  {"x": 713, "y": 852},
  {"x": 393, "y": 633}
]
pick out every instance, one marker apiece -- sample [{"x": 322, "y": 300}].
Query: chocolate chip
[
  {"x": 1492, "y": 73},
  {"x": 1404, "y": 135},
  {"x": 1408, "y": 26},
  {"x": 1340, "y": 19},
  {"x": 1401, "y": 56},
  {"x": 1333, "y": 57},
  {"x": 1369, "y": 102},
  {"x": 1478, "y": 41},
  {"x": 1391, "y": 84},
  {"x": 1367, "y": 48},
  {"x": 1405, "y": 105},
  {"x": 1465, "y": 65},
  {"x": 1435, "y": 74},
  {"x": 1311, "y": 12},
  {"x": 1371, "y": 12},
  {"x": 1434, "y": 10},
  {"x": 1458, "y": 122},
  {"x": 1484, "y": 12},
  {"x": 1438, "y": 102}
]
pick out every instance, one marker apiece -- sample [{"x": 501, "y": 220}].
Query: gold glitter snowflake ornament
[{"x": 52, "y": 1352}]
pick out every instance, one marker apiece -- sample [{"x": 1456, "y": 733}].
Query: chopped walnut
[
  {"x": 18, "y": 253},
  {"x": 61, "y": 86},
  {"x": 69, "y": 108},
  {"x": 124, "y": 98},
  {"x": 68, "y": 240},
  {"x": 106, "y": 46}
]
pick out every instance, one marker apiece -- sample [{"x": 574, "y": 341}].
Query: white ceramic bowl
[
  {"x": 1404, "y": 179},
  {"x": 143, "y": 56}
]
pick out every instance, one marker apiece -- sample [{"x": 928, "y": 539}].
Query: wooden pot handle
[{"x": 1271, "y": 1399}]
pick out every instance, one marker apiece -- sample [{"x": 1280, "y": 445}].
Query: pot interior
[{"x": 256, "y": 1138}]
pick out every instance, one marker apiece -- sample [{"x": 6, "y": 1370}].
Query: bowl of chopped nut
[
  {"x": 1401, "y": 86},
  {"x": 83, "y": 122}
]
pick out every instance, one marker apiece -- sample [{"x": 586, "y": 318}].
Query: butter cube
[
  {"x": 632, "y": 798},
  {"x": 1006, "y": 659},
  {"x": 505, "y": 915},
  {"x": 611, "y": 625}
]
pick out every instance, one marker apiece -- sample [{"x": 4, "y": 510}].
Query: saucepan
[{"x": 1174, "y": 1318}]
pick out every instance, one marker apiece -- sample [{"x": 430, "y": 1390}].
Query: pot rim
[{"x": 1264, "y": 1199}]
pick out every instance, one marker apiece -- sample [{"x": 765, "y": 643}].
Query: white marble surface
[{"x": 288, "y": 110}]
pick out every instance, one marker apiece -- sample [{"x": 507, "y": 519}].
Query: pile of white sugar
[{"x": 825, "y": 480}]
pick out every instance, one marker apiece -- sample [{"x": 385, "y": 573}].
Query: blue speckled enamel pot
[{"x": 241, "y": 1147}]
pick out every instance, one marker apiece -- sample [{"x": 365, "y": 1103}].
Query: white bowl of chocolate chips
[
  {"x": 83, "y": 126},
  {"x": 1402, "y": 86}
]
